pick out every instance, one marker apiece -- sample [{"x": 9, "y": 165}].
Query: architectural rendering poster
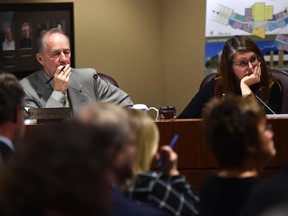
[{"x": 266, "y": 21}]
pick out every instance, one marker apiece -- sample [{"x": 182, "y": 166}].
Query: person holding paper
[
  {"x": 242, "y": 71},
  {"x": 59, "y": 85}
]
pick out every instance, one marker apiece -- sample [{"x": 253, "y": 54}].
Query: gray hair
[{"x": 41, "y": 41}]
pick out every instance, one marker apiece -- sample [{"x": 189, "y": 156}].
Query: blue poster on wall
[{"x": 269, "y": 48}]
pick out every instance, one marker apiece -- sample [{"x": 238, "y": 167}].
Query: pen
[{"x": 171, "y": 144}]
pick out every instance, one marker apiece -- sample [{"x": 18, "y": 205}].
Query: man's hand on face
[{"x": 61, "y": 78}]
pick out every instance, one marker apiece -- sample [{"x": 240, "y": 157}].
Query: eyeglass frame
[{"x": 252, "y": 62}]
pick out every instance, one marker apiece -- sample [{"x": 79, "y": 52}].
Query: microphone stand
[
  {"x": 262, "y": 102},
  {"x": 265, "y": 105}
]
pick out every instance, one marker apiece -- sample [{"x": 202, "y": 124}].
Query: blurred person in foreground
[
  {"x": 270, "y": 198},
  {"x": 243, "y": 72},
  {"x": 237, "y": 132},
  {"x": 119, "y": 141},
  {"x": 166, "y": 189},
  {"x": 12, "y": 115},
  {"x": 60, "y": 172},
  {"x": 59, "y": 85}
]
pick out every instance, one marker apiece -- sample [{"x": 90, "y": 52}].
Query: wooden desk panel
[
  {"x": 280, "y": 128},
  {"x": 191, "y": 147},
  {"x": 195, "y": 158}
]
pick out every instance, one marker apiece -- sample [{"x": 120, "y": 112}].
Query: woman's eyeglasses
[{"x": 245, "y": 64}]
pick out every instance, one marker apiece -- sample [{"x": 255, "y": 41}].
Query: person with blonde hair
[{"x": 166, "y": 189}]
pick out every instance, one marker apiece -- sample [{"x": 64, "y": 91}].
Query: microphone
[{"x": 262, "y": 102}]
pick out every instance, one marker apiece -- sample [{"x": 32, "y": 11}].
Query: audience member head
[
  {"x": 61, "y": 171},
  {"x": 236, "y": 130},
  {"x": 233, "y": 67},
  {"x": 53, "y": 50},
  {"x": 11, "y": 106},
  {"x": 146, "y": 140},
  {"x": 114, "y": 123}
]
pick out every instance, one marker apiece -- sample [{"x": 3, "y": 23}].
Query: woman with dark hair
[
  {"x": 242, "y": 71},
  {"x": 236, "y": 130}
]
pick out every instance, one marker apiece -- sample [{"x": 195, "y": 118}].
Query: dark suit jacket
[
  {"x": 122, "y": 206},
  {"x": 6, "y": 153},
  {"x": 83, "y": 87}
]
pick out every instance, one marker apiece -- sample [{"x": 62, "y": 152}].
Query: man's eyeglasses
[{"x": 245, "y": 64}]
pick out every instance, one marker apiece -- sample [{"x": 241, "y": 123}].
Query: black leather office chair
[
  {"x": 207, "y": 79},
  {"x": 282, "y": 76}
]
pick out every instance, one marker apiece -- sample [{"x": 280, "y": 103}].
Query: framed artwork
[{"x": 21, "y": 25}]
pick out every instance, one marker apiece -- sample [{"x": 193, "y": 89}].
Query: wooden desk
[{"x": 195, "y": 158}]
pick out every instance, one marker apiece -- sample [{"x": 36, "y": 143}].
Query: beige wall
[
  {"x": 183, "y": 48},
  {"x": 153, "y": 48}
]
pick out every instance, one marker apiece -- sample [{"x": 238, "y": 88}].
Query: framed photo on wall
[{"x": 21, "y": 25}]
